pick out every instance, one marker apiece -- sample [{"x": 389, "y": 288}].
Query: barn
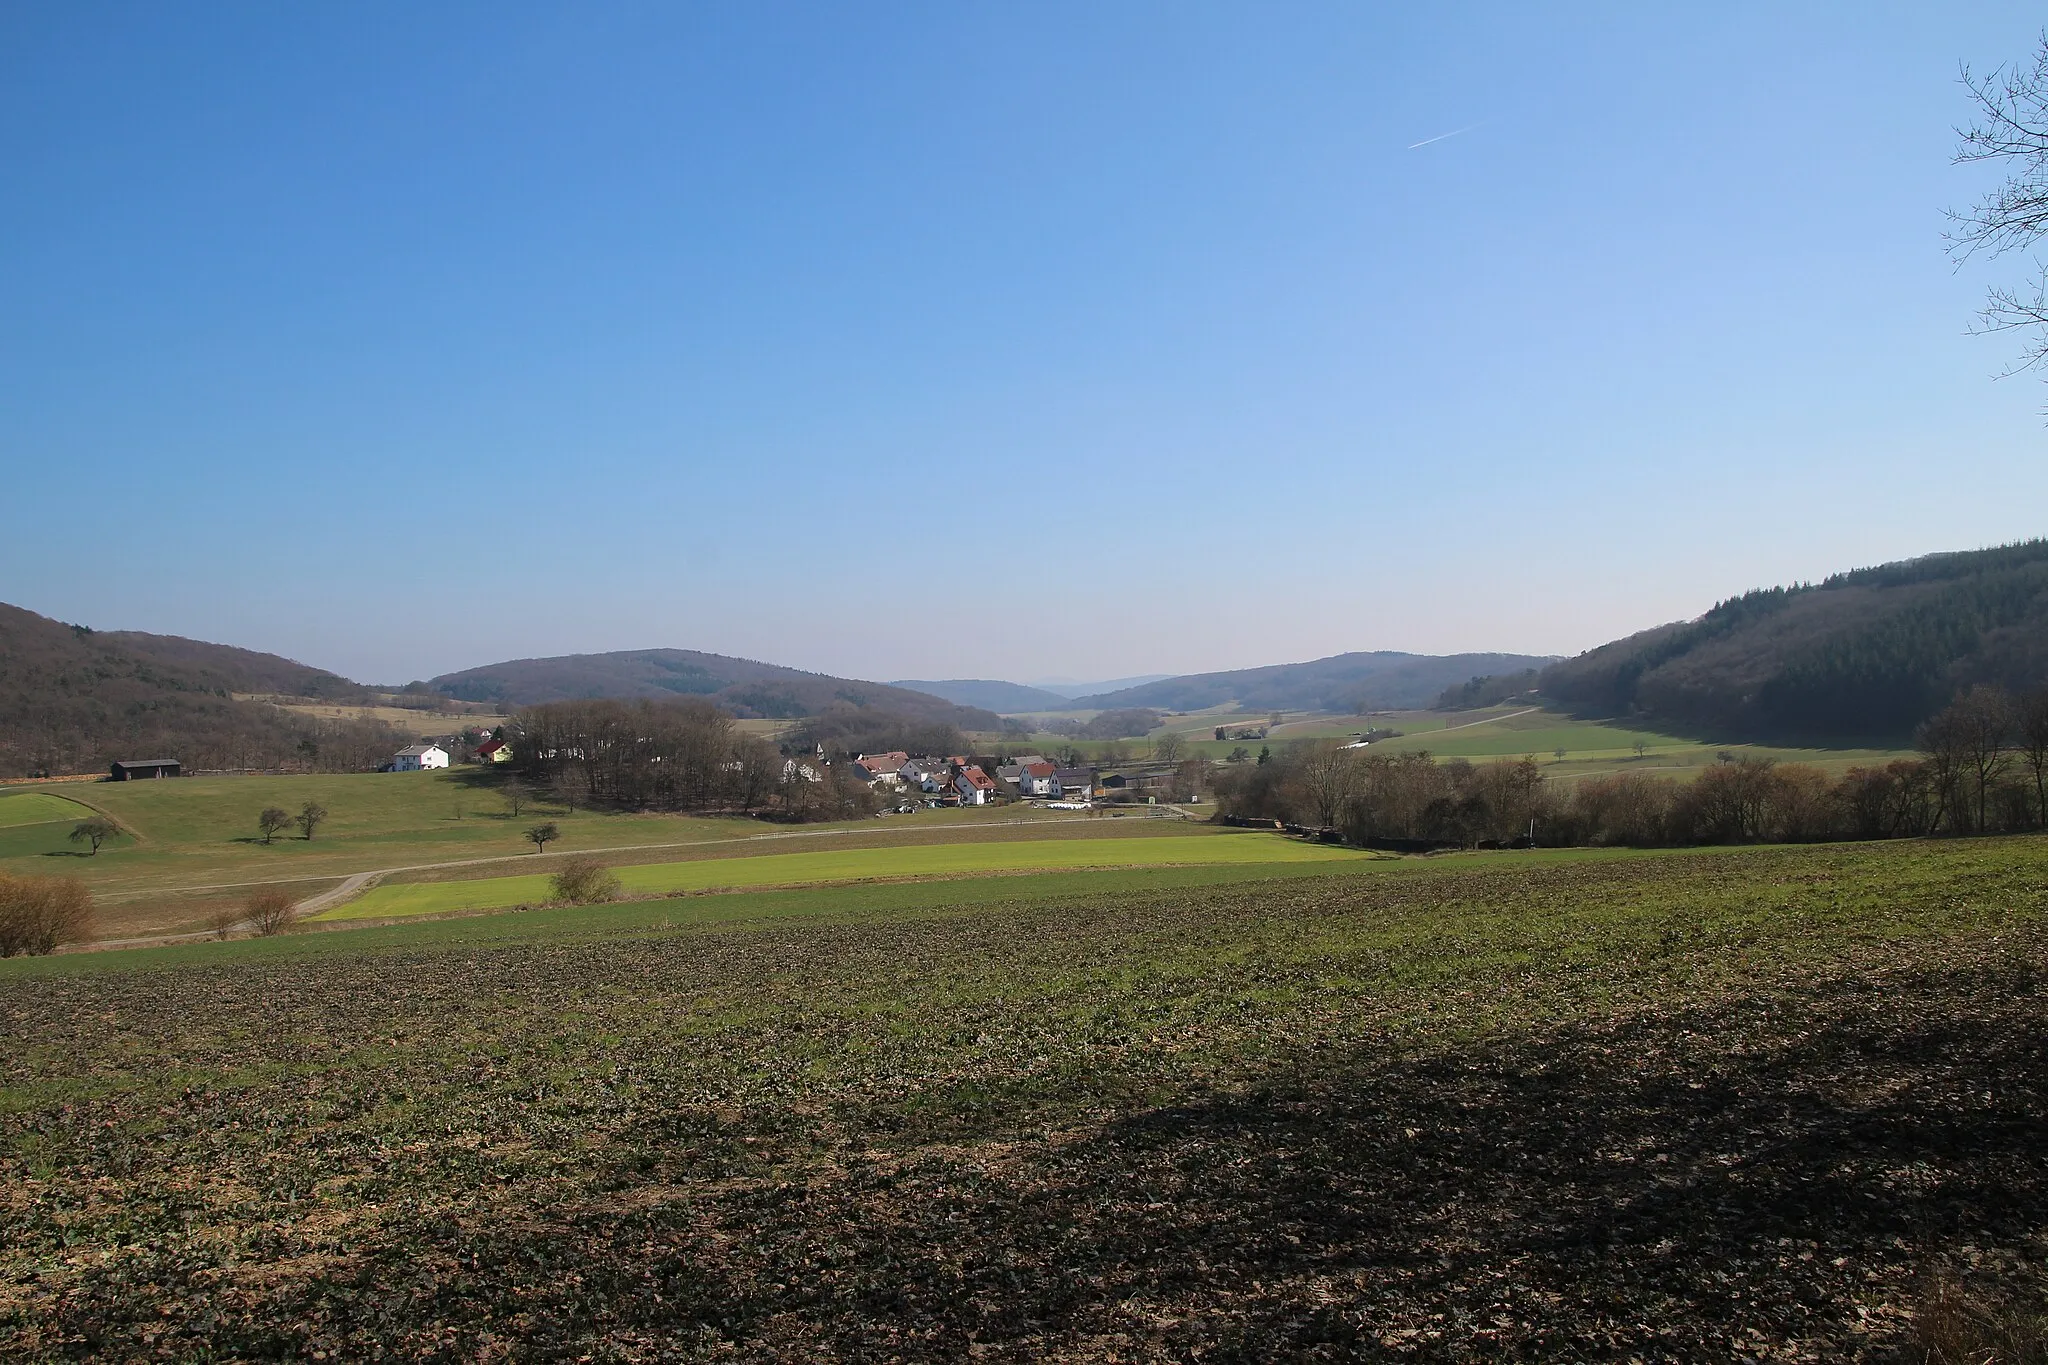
[{"x": 130, "y": 769}]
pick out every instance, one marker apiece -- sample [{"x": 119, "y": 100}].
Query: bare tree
[
  {"x": 515, "y": 798},
  {"x": 269, "y": 911},
  {"x": 1984, "y": 721},
  {"x": 272, "y": 820},
  {"x": 39, "y": 913},
  {"x": 2011, "y": 127},
  {"x": 1327, "y": 773},
  {"x": 540, "y": 836},
  {"x": 1168, "y": 747},
  {"x": 2031, "y": 733},
  {"x": 95, "y": 831},
  {"x": 583, "y": 880},
  {"x": 309, "y": 818}
]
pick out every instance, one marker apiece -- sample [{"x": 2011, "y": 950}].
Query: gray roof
[
  {"x": 415, "y": 750},
  {"x": 143, "y": 762}
]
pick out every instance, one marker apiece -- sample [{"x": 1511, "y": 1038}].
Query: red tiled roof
[{"x": 975, "y": 777}]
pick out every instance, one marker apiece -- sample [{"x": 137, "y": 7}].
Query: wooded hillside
[
  {"x": 1381, "y": 680},
  {"x": 1865, "y": 655},
  {"x": 746, "y": 687},
  {"x": 73, "y": 700}
]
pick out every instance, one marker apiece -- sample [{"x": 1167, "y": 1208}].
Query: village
[{"x": 902, "y": 782}]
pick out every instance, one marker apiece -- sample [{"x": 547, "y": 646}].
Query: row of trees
[{"x": 1983, "y": 769}]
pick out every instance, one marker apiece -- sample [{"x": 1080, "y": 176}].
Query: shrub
[
  {"x": 38, "y": 913},
  {"x": 584, "y": 880},
  {"x": 270, "y": 911}
]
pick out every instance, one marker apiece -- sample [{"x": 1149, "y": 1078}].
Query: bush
[
  {"x": 584, "y": 880},
  {"x": 38, "y": 913},
  {"x": 270, "y": 911}
]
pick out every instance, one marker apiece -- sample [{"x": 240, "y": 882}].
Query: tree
[
  {"x": 270, "y": 911},
  {"x": 310, "y": 816},
  {"x": 540, "y": 836},
  {"x": 1240, "y": 754},
  {"x": 95, "y": 831},
  {"x": 1168, "y": 747},
  {"x": 583, "y": 880},
  {"x": 2011, "y": 127},
  {"x": 1265, "y": 756},
  {"x": 515, "y": 798},
  {"x": 1983, "y": 717},
  {"x": 39, "y": 913},
  {"x": 2030, "y": 726},
  {"x": 1558, "y": 753},
  {"x": 1327, "y": 773},
  {"x": 272, "y": 820}
]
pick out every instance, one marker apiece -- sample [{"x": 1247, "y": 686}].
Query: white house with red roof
[{"x": 976, "y": 787}]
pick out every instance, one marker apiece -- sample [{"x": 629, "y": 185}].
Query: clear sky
[{"x": 976, "y": 340}]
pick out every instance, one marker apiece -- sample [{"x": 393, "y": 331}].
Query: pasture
[
  {"x": 193, "y": 849},
  {"x": 1685, "y": 1105},
  {"x": 1236, "y": 848}
]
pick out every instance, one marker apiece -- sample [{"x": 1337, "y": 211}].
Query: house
[
  {"x": 416, "y": 757},
  {"x": 493, "y": 751},
  {"x": 928, "y": 775},
  {"x": 1036, "y": 778},
  {"x": 976, "y": 788},
  {"x": 133, "y": 768},
  {"x": 881, "y": 767},
  {"x": 1009, "y": 773},
  {"x": 1074, "y": 782}
]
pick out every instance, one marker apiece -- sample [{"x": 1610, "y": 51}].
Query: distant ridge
[
  {"x": 1867, "y": 654},
  {"x": 747, "y": 687},
  {"x": 990, "y": 694},
  {"x": 1382, "y": 680}
]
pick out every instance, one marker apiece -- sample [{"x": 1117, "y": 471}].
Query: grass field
[
  {"x": 193, "y": 849},
  {"x": 1674, "y": 1106},
  {"x": 1239, "y": 848}
]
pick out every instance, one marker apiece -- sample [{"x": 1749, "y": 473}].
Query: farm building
[
  {"x": 415, "y": 757},
  {"x": 493, "y": 751},
  {"x": 131, "y": 769}
]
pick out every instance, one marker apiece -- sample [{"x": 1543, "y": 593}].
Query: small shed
[{"x": 130, "y": 769}]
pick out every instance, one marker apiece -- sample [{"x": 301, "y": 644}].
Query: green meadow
[{"x": 1241, "y": 848}]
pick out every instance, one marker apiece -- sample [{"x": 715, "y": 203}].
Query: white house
[
  {"x": 974, "y": 787},
  {"x": 418, "y": 756}
]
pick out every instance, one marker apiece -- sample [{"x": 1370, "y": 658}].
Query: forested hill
[
  {"x": 744, "y": 686},
  {"x": 1864, "y": 655},
  {"x": 72, "y": 700},
  {"x": 240, "y": 670},
  {"x": 1382, "y": 680},
  {"x": 989, "y": 694}
]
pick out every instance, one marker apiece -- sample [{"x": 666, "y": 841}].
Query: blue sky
[{"x": 986, "y": 341}]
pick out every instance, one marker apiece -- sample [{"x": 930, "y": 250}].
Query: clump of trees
[
  {"x": 37, "y": 914},
  {"x": 583, "y": 880},
  {"x": 689, "y": 755},
  {"x": 1983, "y": 769},
  {"x": 1129, "y": 722}
]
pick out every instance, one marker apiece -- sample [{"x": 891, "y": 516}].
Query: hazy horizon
[{"x": 402, "y": 342}]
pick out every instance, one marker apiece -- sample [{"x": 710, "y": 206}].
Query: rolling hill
[
  {"x": 1381, "y": 680},
  {"x": 1864, "y": 655},
  {"x": 745, "y": 686},
  {"x": 73, "y": 700},
  {"x": 239, "y": 670},
  {"x": 990, "y": 694}
]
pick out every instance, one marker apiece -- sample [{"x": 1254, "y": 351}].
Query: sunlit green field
[{"x": 1241, "y": 848}]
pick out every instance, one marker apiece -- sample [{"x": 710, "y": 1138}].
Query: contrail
[{"x": 1441, "y": 136}]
